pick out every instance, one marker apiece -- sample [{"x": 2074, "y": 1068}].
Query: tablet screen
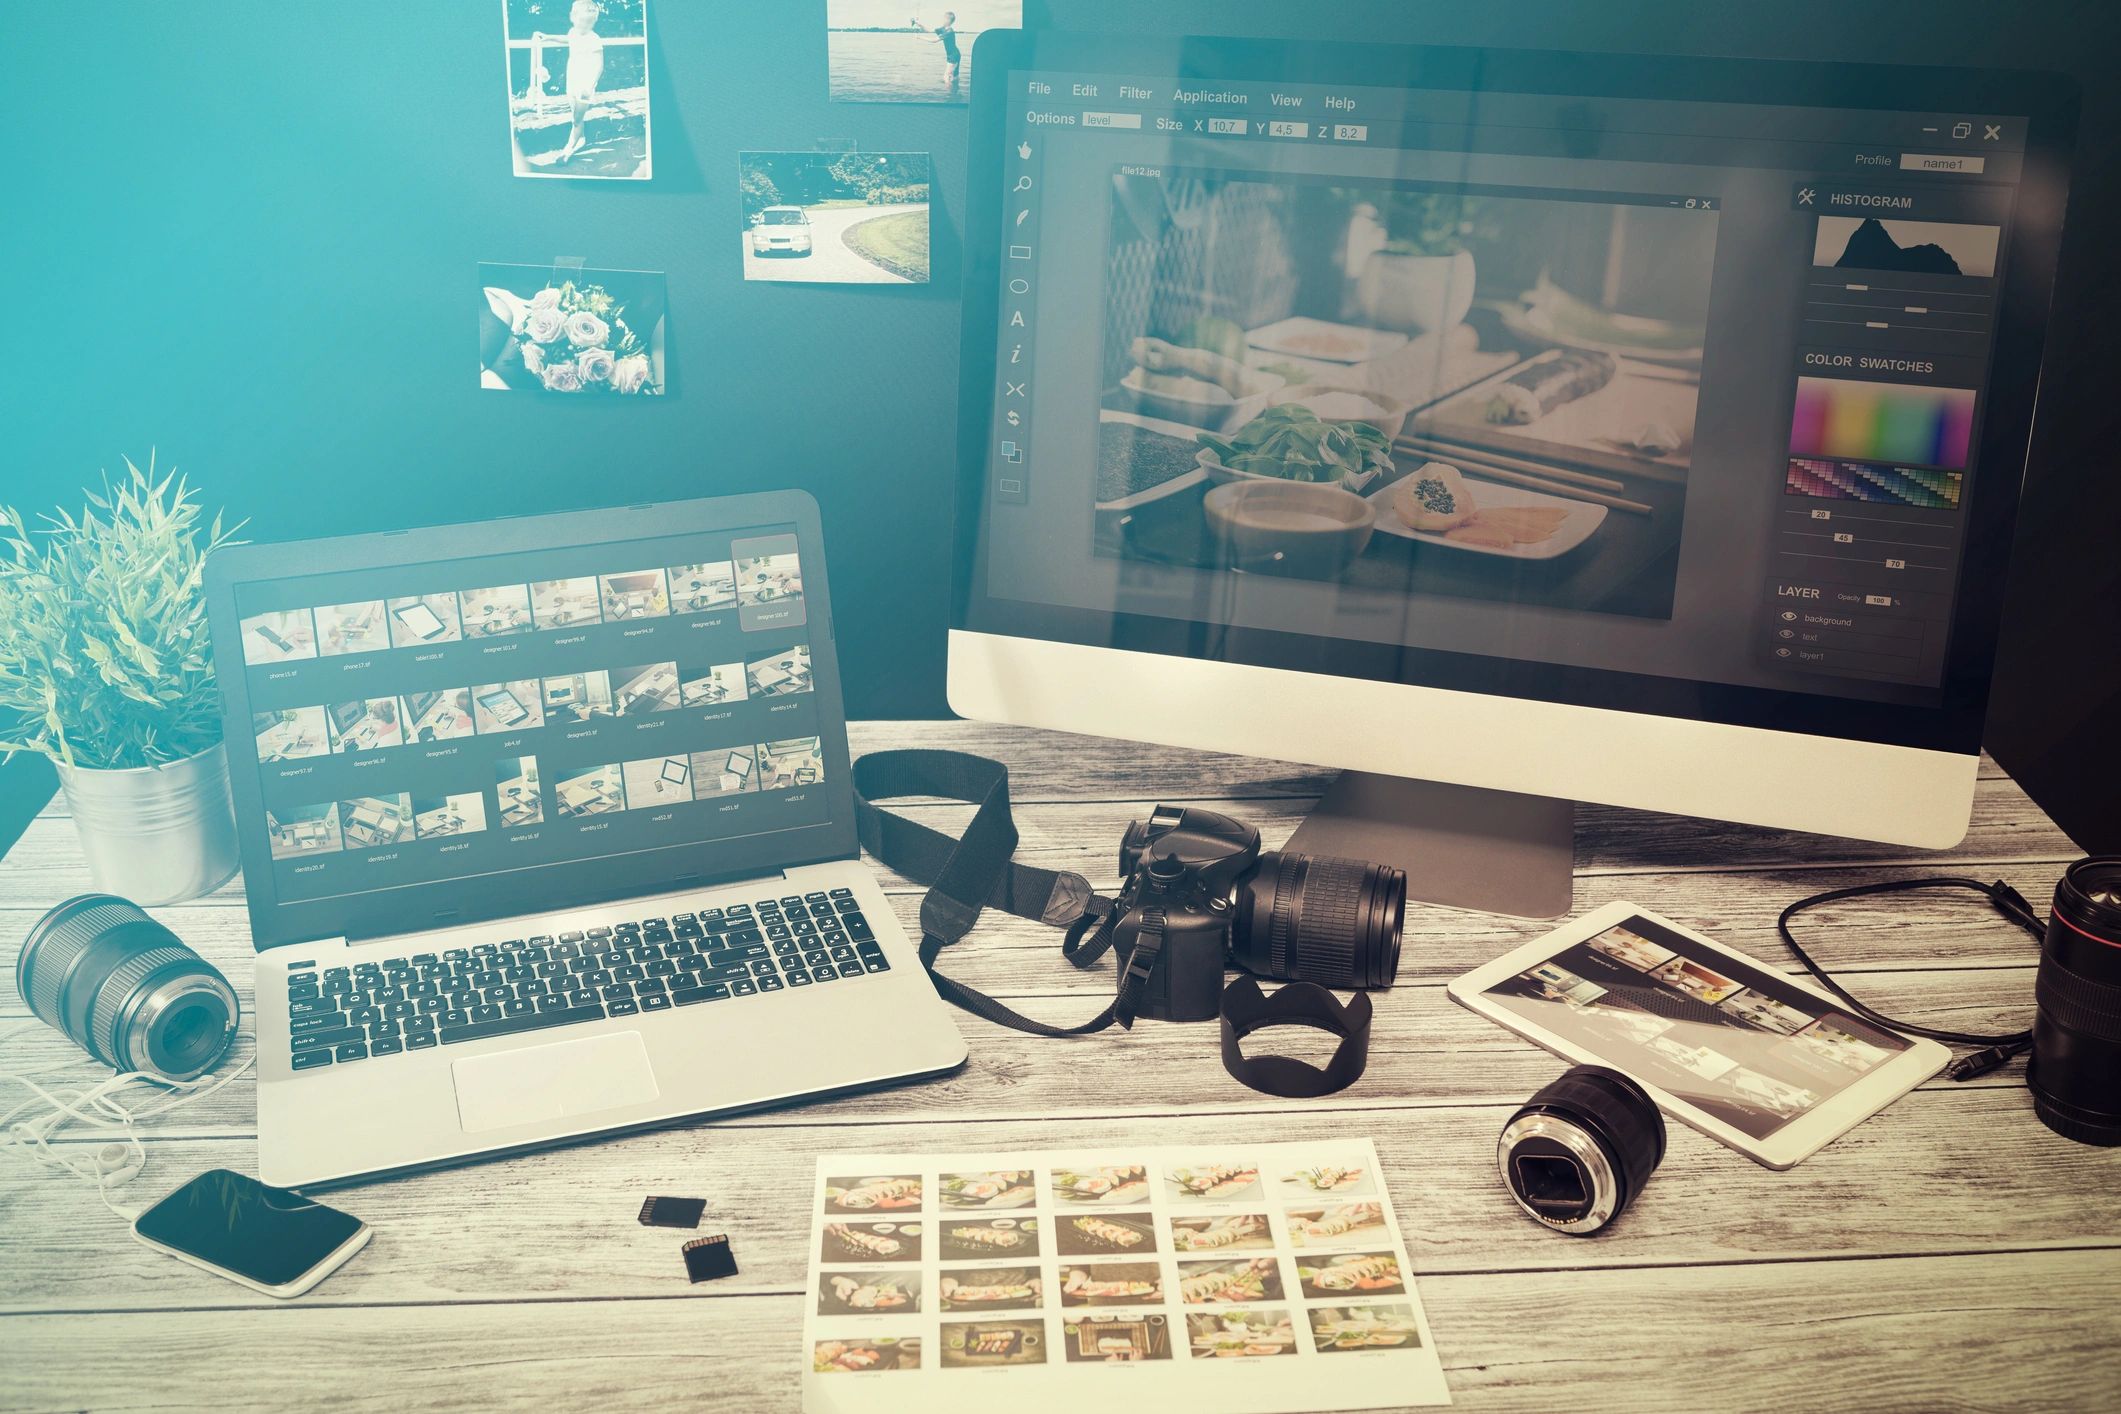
[{"x": 1741, "y": 1044}]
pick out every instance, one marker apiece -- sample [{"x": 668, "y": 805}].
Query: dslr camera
[{"x": 1199, "y": 892}]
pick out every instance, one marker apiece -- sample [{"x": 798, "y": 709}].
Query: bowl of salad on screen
[{"x": 1291, "y": 442}]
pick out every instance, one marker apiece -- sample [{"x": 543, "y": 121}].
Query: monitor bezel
[
  {"x": 449, "y": 903},
  {"x": 2049, "y": 104}
]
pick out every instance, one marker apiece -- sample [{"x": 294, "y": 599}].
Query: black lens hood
[{"x": 1246, "y": 1009}]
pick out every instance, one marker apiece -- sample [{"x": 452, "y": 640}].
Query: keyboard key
[
  {"x": 549, "y": 1003},
  {"x": 875, "y": 964},
  {"x": 420, "y": 1041},
  {"x": 650, "y": 987},
  {"x": 843, "y": 953},
  {"x": 798, "y": 978},
  {"x": 619, "y": 992},
  {"x": 310, "y": 1060},
  {"x": 571, "y": 937},
  {"x": 388, "y": 1046},
  {"x": 352, "y": 1051},
  {"x": 850, "y": 969},
  {"x": 324, "y": 1021},
  {"x": 509, "y": 1026},
  {"x": 326, "y": 1040},
  {"x": 769, "y": 983},
  {"x": 816, "y": 957},
  {"x": 655, "y": 1003},
  {"x": 582, "y": 996},
  {"x": 385, "y": 1027},
  {"x": 312, "y": 1008},
  {"x": 517, "y": 1008},
  {"x": 428, "y": 1006},
  {"x": 624, "y": 1008},
  {"x": 365, "y": 1016},
  {"x": 744, "y": 988}
]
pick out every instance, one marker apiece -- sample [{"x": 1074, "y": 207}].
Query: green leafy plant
[
  {"x": 1420, "y": 222},
  {"x": 104, "y": 656}
]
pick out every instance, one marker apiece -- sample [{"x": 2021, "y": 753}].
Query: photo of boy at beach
[{"x": 876, "y": 52}]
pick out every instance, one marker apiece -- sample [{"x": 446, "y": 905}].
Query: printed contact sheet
[{"x": 1221, "y": 1274}]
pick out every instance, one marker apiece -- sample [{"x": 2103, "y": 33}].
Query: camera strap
[{"x": 978, "y": 870}]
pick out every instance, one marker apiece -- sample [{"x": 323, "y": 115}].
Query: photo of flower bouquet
[{"x": 570, "y": 331}]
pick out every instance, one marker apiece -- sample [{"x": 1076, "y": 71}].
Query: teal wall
[{"x": 245, "y": 232}]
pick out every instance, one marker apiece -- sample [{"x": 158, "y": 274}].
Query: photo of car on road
[{"x": 835, "y": 217}]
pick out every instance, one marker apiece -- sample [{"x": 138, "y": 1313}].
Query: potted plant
[
  {"x": 105, "y": 667},
  {"x": 1421, "y": 280}
]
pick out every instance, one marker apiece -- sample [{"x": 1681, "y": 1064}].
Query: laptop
[{"x": 614, "y": 925}]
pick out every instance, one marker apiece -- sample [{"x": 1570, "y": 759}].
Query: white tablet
[{"x": 1771, "y": 1066}]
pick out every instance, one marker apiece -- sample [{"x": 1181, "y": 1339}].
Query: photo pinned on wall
[
  {"x": 839, "y": 218},
  {"x": 578, "y": 88},
  {"x": 878, "y": 52},
  {"x": 566, "y": 330}
]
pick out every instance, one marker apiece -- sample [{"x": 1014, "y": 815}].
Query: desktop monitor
[{"x": 1534, "y": 427}]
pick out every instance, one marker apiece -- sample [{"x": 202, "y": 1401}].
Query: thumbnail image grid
[
  {"x": 515, "y": 780},
  {"x": 1159, "y": 1255},
  {"x": 376, "y": 821},
  {"x": 299, "y": 831},
  {"x": 782, "y": 674},
  {"x": 440, "y": 816},
  {"x": 771, "y": 572}
]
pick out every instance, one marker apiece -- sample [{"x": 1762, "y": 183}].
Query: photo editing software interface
[
  {"x": 1690, "y": 390},
  {"x": 445, "y": 721}
]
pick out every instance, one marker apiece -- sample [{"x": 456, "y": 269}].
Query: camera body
[{"x": 1200, "y": 894}]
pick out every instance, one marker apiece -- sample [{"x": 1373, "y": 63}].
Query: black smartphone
[{"x": 270, "y": 1239}]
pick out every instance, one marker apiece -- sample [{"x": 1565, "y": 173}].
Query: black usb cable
[{"x": 1995, "y": 1051}]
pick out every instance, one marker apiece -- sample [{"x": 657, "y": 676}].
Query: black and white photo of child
[
  {"x": 893, "y": 51},
  {"x": 578, "y": 88}
]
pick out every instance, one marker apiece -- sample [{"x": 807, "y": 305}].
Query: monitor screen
[
  {"x": 1628, "y": 401},
  {"x": 463, "y": 720}
]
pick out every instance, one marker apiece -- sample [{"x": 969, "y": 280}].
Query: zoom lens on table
[{"x": 2075, "y": 1070}]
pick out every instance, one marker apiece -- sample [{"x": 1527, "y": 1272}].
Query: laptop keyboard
[{"x": 345, "y": 1014}]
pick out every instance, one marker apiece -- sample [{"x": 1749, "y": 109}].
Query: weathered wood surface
[{"x": 1950, "y": 1254}]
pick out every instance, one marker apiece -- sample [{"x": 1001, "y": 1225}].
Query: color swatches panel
[
  {"x": 1843, "y": 419},
  {"x": 1868, "y": 481}
]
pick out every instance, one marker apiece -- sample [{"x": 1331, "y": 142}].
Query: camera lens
[
  {"x": 2075, "y": 1070},
  {"x": 125, "y": 989},
  {"x": 1318, "y": 919},
  {"x": 1580, "y": 1150}
]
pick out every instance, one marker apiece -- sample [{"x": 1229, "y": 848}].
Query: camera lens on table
[
  {"x": 1580, "y": 1150},
  {"x": 1319, "y": 919},
  {"x": 2075, "y": 1070},
  {"x": 126, "y": 989}
]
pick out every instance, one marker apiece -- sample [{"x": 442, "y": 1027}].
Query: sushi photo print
[
  {"x": 1401, "y": 389},
  {"x": 1246, "y": 1278}
]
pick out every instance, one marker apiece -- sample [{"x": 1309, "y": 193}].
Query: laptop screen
[{"x": 480, "y": 718}]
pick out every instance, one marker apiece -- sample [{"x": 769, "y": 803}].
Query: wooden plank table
[{"x": 1950, "y": 1254}]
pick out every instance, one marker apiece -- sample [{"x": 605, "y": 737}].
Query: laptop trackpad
[{"x": 543, "y": 1083}]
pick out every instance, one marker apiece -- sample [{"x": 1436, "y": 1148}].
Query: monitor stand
[{"x": 1490, "y": 851}]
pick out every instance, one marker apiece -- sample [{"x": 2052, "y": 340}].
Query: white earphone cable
[{"x": 114, "y": 1164}]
